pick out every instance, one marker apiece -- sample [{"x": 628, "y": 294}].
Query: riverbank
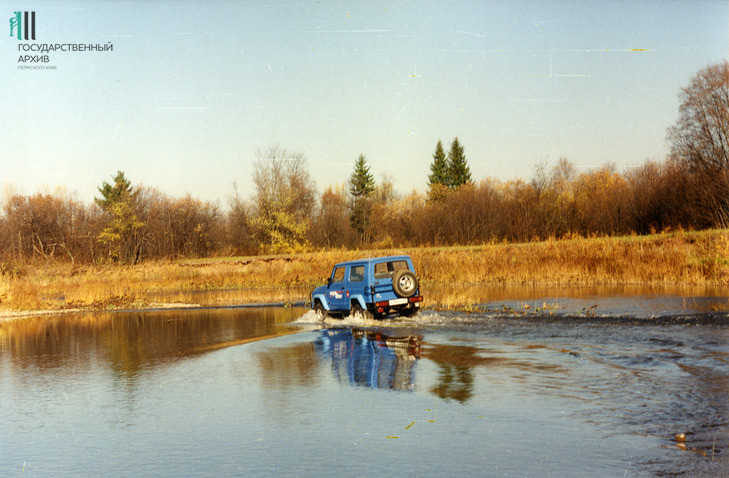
[{"x": 671, "y": 259}]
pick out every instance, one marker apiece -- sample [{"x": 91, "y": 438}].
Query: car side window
[
  {"x": 381, "y": 270},
  {"x": 356, "y": 274},
  {"x": 388, "y": 269},
  {"x": 397, "y": 265},
  {"x": 338, "y": 275}
]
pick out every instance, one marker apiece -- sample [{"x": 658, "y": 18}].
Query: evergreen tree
[
  {"x": 459, "y": 172},
  {"x": 122, "y": 231},
  {"x": 361, "y": 187},
  {"x": 111, "y": 195},
  {"x": 439, "y": 168},
  {"x": 361, "y": 183}
]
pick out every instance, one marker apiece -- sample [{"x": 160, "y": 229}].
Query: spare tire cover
[{"x": 404, "y": 283}]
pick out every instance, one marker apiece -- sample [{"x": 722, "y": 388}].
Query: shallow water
[
  {"x": 615, "y": 299},
  {"x": 506, "y": 391}
]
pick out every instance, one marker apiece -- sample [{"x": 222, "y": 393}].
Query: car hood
[{"x": 319, "y": 290}]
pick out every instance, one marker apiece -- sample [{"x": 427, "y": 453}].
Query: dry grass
[
  {"x": 681, "y": 258},
  {"x": 699, "y": 259}
]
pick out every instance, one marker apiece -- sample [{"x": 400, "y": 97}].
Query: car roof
[{"x": 370, "y": 260}]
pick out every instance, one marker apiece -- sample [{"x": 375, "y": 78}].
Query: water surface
[{"x": 277, "y": 391}]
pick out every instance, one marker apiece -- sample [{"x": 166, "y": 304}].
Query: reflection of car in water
[{"x": 369, "y": 358}]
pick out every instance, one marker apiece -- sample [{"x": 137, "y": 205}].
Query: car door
[
  {"x": 337, "y": 296},
  {"x": 355, "y": 284}
]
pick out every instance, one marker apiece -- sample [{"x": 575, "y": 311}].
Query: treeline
[
  {"x": 60, "y": 227},
  {"x": 557, "y": 202},
  {"x": 126, "y": 223}
]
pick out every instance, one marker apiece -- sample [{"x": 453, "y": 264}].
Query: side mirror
[{"x": 329, "y": 281}]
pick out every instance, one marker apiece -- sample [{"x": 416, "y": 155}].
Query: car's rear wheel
[
  {"x": 379, "y": 315},
  {"x": 409, "y": 312},
  {"x": 357, "y": 310},
  {"x": 404, "y": 283}
]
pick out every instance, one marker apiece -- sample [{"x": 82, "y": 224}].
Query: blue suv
[{"x": 373, "y": 287}]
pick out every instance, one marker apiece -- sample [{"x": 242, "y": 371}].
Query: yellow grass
[{"x": 684, "y": 258}]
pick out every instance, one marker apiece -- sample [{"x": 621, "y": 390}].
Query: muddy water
[{"x": 506, "y": 391}]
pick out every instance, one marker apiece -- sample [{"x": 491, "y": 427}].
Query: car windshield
[
  {"x": 338, "y": 275},
  {"x": 387, "y": 269}
]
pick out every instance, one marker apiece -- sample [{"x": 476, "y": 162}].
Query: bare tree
[
  {"x": 332, "y": 227},
  {"x": 47, "y": 227},
  {"x": 238, "y": 224},
  {"x": 700, "y": 141}
]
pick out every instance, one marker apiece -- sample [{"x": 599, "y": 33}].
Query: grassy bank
[{"x": 685, "y": 258}]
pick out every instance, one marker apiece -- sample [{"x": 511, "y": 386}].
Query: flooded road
[{"x": 505, "y": 391}]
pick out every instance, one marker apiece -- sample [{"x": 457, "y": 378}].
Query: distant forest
[{"x": 689, "y": 189}]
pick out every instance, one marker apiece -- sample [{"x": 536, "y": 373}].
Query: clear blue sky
[{"x": 192, "y": 89}]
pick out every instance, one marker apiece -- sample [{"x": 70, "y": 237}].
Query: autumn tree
[
  {"x": 180, "y": 226},
  {"x": 332, "y": 228},
  {"x": 384, "y": 192},
  {"x": 284, "y": 199},
  {"x": 657, "y": 197},
  {"x": 122, "y": 232},
  {"x": 601, "y": 202},
  {"x": 555, "y": 209},
  {"x": 46, "y": 226},
  {"x": 361, "y": 187},
  {"x": 238, "y": 224},
  {"x": 700, "y": 142}
]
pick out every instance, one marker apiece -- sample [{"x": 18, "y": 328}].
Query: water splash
[{"x": 422, "y": 319}]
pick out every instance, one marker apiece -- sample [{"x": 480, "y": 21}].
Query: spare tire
[{"x": 404, "y": 283}]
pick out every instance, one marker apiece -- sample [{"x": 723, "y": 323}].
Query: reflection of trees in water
[
  {"x": 129, "y": 342},
  {"x": 455, "y": 380},
  {"x": 456, "y": 364},
  {"x": 281, "y": 371},
  {"x": 287, "y": 367}
]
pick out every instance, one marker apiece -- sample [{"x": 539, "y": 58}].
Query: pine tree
[
  {"x": 361, "y": 186},
  {"x": 111, "y": 195},
  {"x": 439, "y": 169},
  {"x": 459, "y": 172},
  {"x": 122, "y": 231},
  {"x": 361, "y": 183}
]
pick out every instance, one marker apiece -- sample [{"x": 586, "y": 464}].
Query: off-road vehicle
[{"x": 374, "y": 287}]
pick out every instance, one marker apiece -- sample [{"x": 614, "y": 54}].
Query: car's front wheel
[{"x": 320, "y": 310}]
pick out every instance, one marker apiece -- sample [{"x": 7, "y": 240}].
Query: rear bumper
[{"x": 397, "y": 304}]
